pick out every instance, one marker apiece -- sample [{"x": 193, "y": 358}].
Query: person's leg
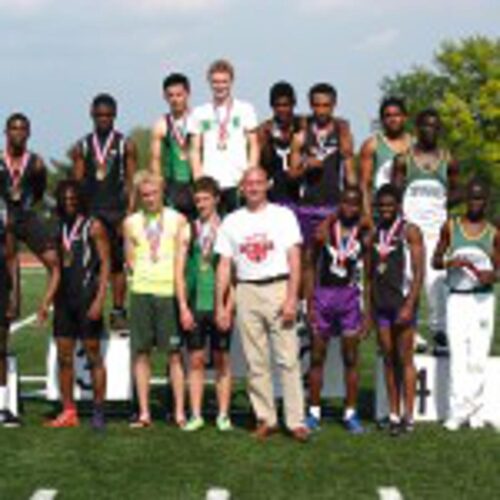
[
  {"x": 405, "y": 345},
  {"x": 222, "y": 361},
  {"x": 142, "y": 376},
  {"x": 350, "y": 358},
  {"x": 319, "y": 349},
  {"x": 255, "y": 343},
  {"x": 118, "y": 277},
  {"x": 196, "y": 386},
  {"x": 387, "y": 345},
  {"x": 4, "y": 334},
  {"x": 479, "y": 340},
  {"x": 178, "y": 383},
  {"x": 92, "y": 348}
]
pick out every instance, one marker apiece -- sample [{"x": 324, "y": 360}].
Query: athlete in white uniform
[
  {"x": 469, "y": 249},
  {"x": 430, "y": 179}
]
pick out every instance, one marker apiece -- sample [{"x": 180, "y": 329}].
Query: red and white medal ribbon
[
  {"x": 69, "y": 237},
  {"x": 345, "y": 250},
  {"x": 153, "y": 231},
  {"x": 206, "y": 238},
  {"x": 223, "y": 123},
  {"x": 178, "y": 132},
  {"x": 101, "y": 154},
  {"x": 16, "y": 171},
  {"x": 386, "y": 238}
]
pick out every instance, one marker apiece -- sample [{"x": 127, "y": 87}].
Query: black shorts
[
  {"x": 113, "y": 221},
  {"x": 36, "y": 233},
  {"x": 206, "y": 329},
  {"x": 71, "y": 322}
]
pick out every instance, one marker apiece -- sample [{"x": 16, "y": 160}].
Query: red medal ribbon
[
  {"x": 206, "y": 239},
  {"x": 223, "y": 122},
  {"x": 344, "y": 251},
  {"x": 102, "y": 153},
  {"x": 68, "y": 239},
  {"x": 16, "y": 172},
  {"x": 179, "y": 133},
  {"x": 386, "y": 238},
  {"x": 153, "y": 231}
]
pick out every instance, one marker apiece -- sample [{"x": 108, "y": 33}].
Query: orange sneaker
[{"x": 66, "y": 418}]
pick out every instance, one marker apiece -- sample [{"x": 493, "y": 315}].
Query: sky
[{"x": 56, "y": 55}]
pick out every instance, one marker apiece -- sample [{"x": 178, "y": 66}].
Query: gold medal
[
  {"x": 101, "y": 173},
  {"x": 67, "y": 258},
  {"x": 183, "y": 155},
  {"x": 382, "y": 267}
]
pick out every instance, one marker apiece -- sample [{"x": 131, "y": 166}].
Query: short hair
[
  {"x": 323, "y": 88},
  {"x": 221, "y": 66},
  {"x": 249, "y": 170},
  {"x": 14, "y": 117},
  {"x": 176, "y": 79},
  {"x": 70, "y": 185},
  {"x": 480, "y": 182},
  {"x": 389, "y": 190},
  {"x": 147, "y": 177},
  {"x": 282, "y": 90},
  {"x": 389, "y": 101},
  {"x": 206, "y": 184},
  {"x": 428, "y": 113},
  {"x": 105, "y": 100}
]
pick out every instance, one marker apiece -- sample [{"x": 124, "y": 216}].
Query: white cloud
[
  {"x": 23, "y": 7},
  {"x": 355, "y": 5},
  {"x": 379, "y": 40},
  {"x": 161, "y": 6}
]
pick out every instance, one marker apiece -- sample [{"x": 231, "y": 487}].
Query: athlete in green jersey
[
  {"x": 469, "y": 250},
  {"x": 378, "y": 151},
  {"x": 169, "y": 155},
  {"x": 195, "y": 289}
]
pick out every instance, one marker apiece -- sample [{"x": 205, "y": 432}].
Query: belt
[
  {"x": 482, "y": 289},
  {"x": 265, "y": 281}
]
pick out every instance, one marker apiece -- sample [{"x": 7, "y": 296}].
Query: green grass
[{"x": 164, "y": 463}]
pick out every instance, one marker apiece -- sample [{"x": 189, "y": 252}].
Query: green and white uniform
[
  {"x": 383, "y": 159},
  {"x": 471, "y": 321},
  {"x": 425, "y": 205}
]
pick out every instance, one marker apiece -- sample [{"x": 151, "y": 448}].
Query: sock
[
  {"x": 315, "y": 411},
  {"x": 3, "y": 398},
  {"x": 222, "y": 415},
  {"x": 349, "y": 413},
  {"x": 394, "y": 418}
]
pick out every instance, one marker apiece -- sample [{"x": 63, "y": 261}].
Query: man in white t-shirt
[
  {"x": 223, "y": 135},
  {"x": 261, "y": 242}
]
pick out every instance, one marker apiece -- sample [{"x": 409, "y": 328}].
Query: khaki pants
[{"x": 259, "y": 322}]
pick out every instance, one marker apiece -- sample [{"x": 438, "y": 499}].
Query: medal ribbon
[
  {"x": 68, "y": 239},
  {"x": 206, "y": 239},
  {"x": 223, "y": 122},
  {"x": 386, "y": 237},
  {"x": 179, "y": 133},
  {"x": 153, "y": 231},
  {"x": 344, "y": 251},
  {"x": 102, "y": 154},
  {"x": 16, "y": 172}
]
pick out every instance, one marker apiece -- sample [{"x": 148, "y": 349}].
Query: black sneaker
[
  {"x": 9, "y": 420},
  {"x": 394, "y": 428},
  {"x": 440, "y": 345},
  {"x": 407, "y": 426},
  {"x": 118, "y": 323}
]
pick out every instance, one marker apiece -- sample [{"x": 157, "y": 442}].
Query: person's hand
[
  {"x": 485, "y": 277},
  {"x": 95, "y": 310},
  {"x": 12, "y": 309},
  {"x": 187, "y": 319},
  {"x": 223, "y": 319},
  {"x": 289, "y": 311},
  {"x": 458, "y": 262},
  {"x": 366, "y": 327},
  {"x": 405, "y": 315},
  {"x": 42, "y": 314},
  {"x": 312, "y": 162}
]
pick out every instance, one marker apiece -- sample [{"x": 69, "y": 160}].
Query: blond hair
[{"x": 221, "y": 66}]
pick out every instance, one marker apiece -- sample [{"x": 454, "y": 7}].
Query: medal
[
  {"x": 339, "y": 271},
  {"x": 322, "y": 150},
  {"x": 153, "y": 231},
  {"x": 101, "y": 155},
  {"x": 68, "y": 237},
  {"x": 222, "y": 123},
  {"x": 346, "y": 247},
  {"x": 384, "y": 246},
  {"x": 179, "y": 133},
  {"x": 206, "y": 234},
  {"x": 16, "y": 172}
]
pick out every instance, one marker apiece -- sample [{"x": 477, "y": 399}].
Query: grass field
[{"x": 163, "y": 463}]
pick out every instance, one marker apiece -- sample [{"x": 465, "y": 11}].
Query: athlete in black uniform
[
  {"x": 105, "y": 162},
  {"x": 275, "y": 139},
  {"x": 23, "y": 179},
  {"x": 83, "y": 248}
]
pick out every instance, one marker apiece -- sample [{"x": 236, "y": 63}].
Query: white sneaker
[
  {"x": 476, "y": 422},
  {"x": 453, "y": 424},
  {"x": 420, "y": 344}
]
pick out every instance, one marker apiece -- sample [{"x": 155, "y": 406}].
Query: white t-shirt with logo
[
  {"x": 258, "y": 242},
  {"x": 224, "y": 165}
]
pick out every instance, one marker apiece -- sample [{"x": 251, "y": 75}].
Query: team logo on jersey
[{"x": 256, "y": 247}]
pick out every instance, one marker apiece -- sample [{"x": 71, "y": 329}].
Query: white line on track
[
  {"x": 18, "y": 325},
  {"x": 43, "y": 494},
  {"x": 389, "y": 493}
]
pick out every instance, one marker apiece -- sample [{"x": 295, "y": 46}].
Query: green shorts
[{"x": 153, "y": 323}]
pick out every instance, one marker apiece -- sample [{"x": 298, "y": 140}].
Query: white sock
[
  {"x": 394, "y": 418},
  {"x": 349, "y": 413},
  {"x": 3, "y": 398},
  {"x": 315, "y": 411}
]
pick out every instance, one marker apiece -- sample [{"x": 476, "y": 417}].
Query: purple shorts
[
  {"x": 310, "y": 217},
  {"x": 386, "y": 318},
  {"x": 336, "y": 310}
]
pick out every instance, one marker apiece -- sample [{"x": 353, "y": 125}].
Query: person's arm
[
  {"x": 100, "y": 238},
  {"x": 398, "y": 176},
  {"x": 367, "y": 241},
  {"x": 222, "y": 289},
  {"x": 129, "y": 243},
  {"x": 11, "y": 264},
  {"x": 297, "y": 167},
  {"x": 195, "y": 155},
  {"x": 78, "y": 171},
  {"x": 130, "y": 170},
  {"x": 346, "y": 143},
  {"x": 182, "y": 245},
  {"x": 417, "y": 258},
  {"x": 158, "y": 134},
  {"x": 253, "y": 147},
  {"x": 438, "y": 259},
  {"x": 366, "y": 174},
  {"x": 454, "y": 188},
  {"x": 39, "y": 179},
  {"x": 54, "y": 270},
  {"x": 289, "y": 308},
  {"x": 265, "y": 150},
  {"x": 491, "y": 277}
]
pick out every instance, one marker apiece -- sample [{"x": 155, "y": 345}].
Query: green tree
[
  {"x": 142, "y": 137},
  {"x": 464, "y": 86}
]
